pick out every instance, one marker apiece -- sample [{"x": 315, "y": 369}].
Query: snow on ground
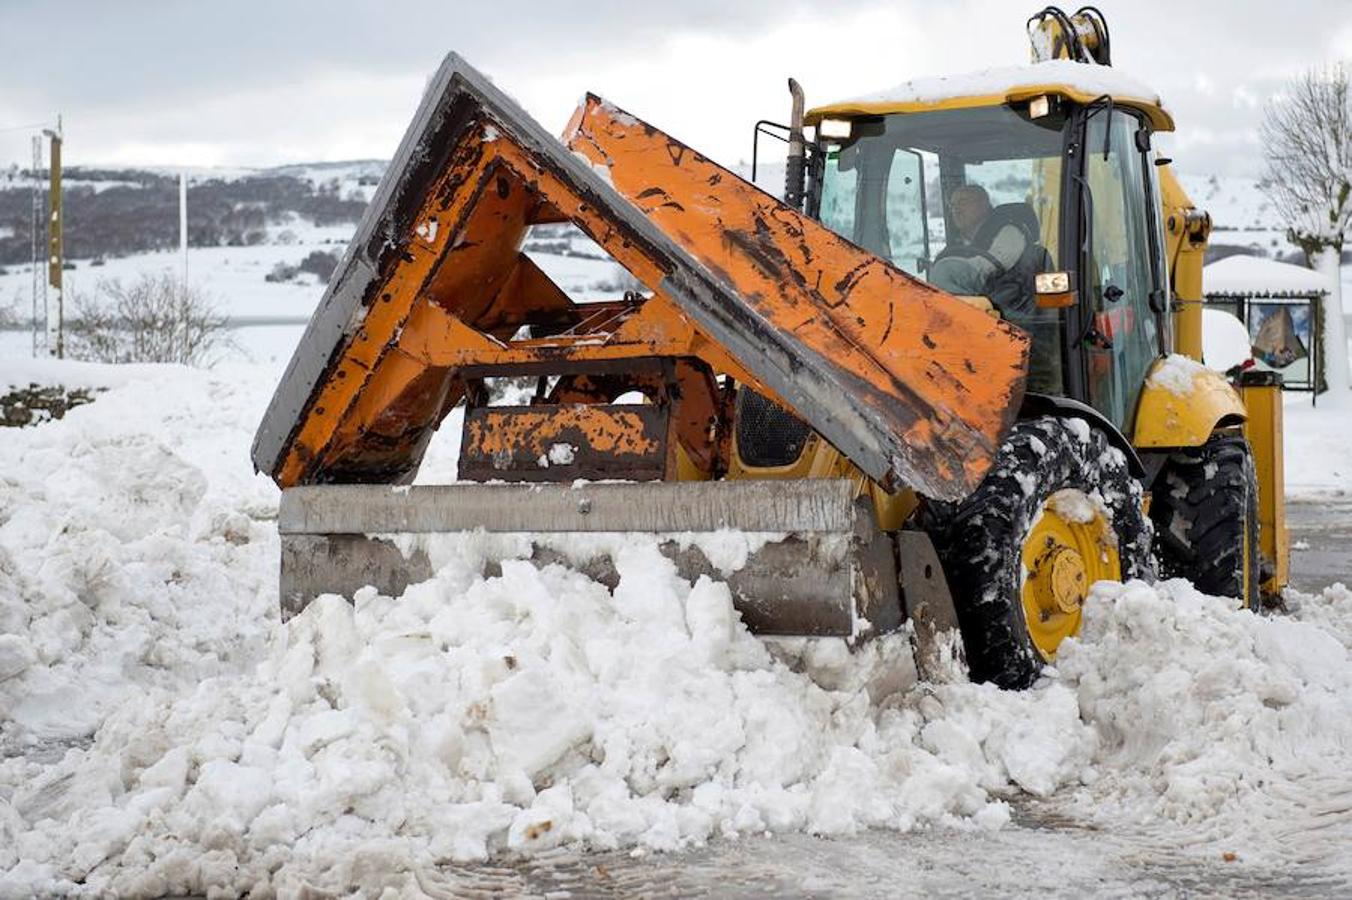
[
  {"x": 165, "y": 734},
  {"x": 135, "y": 543},
  {"x": 1318, "y": 449},
  {"x": 268, "y": 318}
]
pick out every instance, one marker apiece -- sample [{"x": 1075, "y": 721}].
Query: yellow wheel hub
[{"x": 1069, "y": 547}]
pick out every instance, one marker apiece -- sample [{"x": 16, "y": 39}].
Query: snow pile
[
  {"x": 476, "y": 717},
  {"x": 366, "y": 744},
  {"x": 515, "y": 713},
  {"x": 129, "y": 558},
  {"x": 1225, "y": 340},
  {"x": 1228, "y": 727}
]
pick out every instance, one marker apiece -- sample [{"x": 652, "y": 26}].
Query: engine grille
[{"x": 767, "y": 433}]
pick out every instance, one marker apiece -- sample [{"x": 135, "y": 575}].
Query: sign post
[{"x": 55, "y": 255}]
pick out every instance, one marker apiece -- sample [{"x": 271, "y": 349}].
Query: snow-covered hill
[
  {"x": 268, "y": 314},
  {"x": 1234, "y": 202}
]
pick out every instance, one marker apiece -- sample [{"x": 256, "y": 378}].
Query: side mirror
[{"x": 1054, "y": 290}]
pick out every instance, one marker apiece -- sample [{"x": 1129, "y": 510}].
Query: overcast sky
[{"x": 264, "y": 82}]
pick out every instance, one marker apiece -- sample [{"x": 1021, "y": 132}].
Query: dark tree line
[{"x": 122, "y": 220}]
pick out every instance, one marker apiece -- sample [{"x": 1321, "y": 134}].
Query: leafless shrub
[
  {"x": 320, "y": 263},
  {"x": 152, "y": 319},
  {"x": 281, "y": 272}
]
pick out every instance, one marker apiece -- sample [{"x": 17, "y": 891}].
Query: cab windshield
[{"x": 966, "y": 199}]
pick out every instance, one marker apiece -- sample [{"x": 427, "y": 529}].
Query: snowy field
[{"x": 266, "y": 318}]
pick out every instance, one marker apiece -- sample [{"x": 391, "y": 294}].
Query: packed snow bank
[
  {"x": 135, "y": 546},
  {"x": 1225, "y": 340},
  {"x": 479, "y": 716},
  {"x": 1318, "y": 440},
  {"x": 365, "y": 744},
  {"x": 476, "y": 717},
  {"x": 1234, "y": 730},
  {"x": 18, "y": 371}
]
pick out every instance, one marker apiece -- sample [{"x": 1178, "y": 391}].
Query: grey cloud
[{"x": 260, "y": 82}]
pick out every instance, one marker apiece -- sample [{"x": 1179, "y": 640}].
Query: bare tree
[
  {"x": 153, "y": 319},
  {"x": 1308, "y": 177}
]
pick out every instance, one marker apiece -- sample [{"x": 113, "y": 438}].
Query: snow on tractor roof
[
  {"x": 1249, "y": 276},
  {"x": 1078, "y": 81}
]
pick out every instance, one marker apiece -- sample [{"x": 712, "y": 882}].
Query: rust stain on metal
[
  {"x": 949, "y": 406},
  {"x": 926, "y": 385},
  {"x": 560, "y": 443},
  {"x": 533, "y": 431}
]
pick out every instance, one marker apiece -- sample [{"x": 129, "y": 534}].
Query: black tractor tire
[
  {"x": 1204, "y": 503},
  {"x": 980, "y": 539}
]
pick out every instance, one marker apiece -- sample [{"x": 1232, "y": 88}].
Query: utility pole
[
  {"x": 183, "y": 249},
  {"x": 36, "y": 251},
  {"x": 55, "y": 254}
]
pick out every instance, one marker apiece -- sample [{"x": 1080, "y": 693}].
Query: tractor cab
[{"x": 1033, "y": 187}]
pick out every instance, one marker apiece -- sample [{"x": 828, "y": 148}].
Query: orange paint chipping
[
  {"x": 914, "y": 386},
  {"x": 944, "y": 375}
]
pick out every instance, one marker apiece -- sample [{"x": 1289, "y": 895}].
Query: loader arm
[{"x": 434, "y": 295}]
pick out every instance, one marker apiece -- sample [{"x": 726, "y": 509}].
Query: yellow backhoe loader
[{"x": 950, "y": 379}]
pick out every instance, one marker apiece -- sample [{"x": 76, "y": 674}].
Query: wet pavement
[
  {"x": 1321, "y": 541},
  {"x": 1034, "y": 857}
]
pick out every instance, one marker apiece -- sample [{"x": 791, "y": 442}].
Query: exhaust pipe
[{"x": 796, "y": 170}]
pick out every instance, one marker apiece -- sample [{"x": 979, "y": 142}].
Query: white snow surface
[
  {"x": 1318, "y": 449},
  {"x": 135, "y": 542},
  {"x": 1088, "y": 79},
  {"x": 1225, "y": 340},
  {"x": 1175, "y": 374},
  {"x": 1251, "y": 275},
  {"x": 366, "y": 743}
]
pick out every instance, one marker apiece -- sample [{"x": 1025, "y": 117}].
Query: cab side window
[{"x": 1121, "y": 341}]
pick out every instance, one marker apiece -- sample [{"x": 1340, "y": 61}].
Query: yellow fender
[{"x": 1182, "y": 403}]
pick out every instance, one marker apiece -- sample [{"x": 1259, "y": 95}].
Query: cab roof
[{"x": 1078, "y": 82}]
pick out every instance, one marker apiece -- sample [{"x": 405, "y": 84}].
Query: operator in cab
[{"x": 992, "y": 255}]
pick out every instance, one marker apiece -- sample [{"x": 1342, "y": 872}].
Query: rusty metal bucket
[{"x": 823, "y": 568}]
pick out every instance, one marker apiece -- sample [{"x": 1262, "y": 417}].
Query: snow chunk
[
  {"x": 427, "y": 230},
  {"x": 1080, "y": 428},
  {"x": 601, "y": 169},
  {"x": 618, "y": 114},
  {"x": 1075, "y": 506},
  {"x": 16, "y": 655},
  {"x": 1175, "y": 374}
]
